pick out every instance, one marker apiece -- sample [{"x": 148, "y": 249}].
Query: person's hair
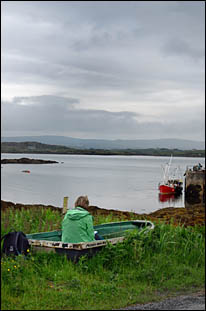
[{"x": 82, "y": 201}]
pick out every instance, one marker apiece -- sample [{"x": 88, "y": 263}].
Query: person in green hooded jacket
[{"x": 77, "y": 225}]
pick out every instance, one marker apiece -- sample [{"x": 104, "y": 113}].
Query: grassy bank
[{"x": 144, "y": 267}]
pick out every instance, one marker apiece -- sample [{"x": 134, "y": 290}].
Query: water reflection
[{"x": 171, "y": 198}]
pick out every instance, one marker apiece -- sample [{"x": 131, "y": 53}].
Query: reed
[
  {"x": 30, "y": 220},
  {"x": 141, "y": 269}
]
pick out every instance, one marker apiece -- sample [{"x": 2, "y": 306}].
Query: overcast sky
[{"x": 112, "y": 70}]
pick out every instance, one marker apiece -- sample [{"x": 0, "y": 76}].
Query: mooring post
[{"x": 65, "y": 205}]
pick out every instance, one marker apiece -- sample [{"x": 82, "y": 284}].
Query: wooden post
[{"x": 65, "y": 205}]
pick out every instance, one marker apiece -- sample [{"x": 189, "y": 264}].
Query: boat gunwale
[
  {"x": 74, "y": 246},
  {"x": 85, "y": 245}
]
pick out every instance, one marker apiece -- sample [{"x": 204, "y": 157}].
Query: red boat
[
  {"x": 170, "y": 185},
  {"x": 166, "y": 189}
]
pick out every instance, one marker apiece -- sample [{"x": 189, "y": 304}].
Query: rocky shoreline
[
  {"x": 189, "y": 216},
  {"x": 26, "y": 161}
]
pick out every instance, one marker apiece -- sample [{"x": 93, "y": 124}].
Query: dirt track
[{"x": 195, "y": 301}]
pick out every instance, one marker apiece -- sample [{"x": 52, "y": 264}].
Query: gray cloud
[
  {"x": 58, "y": 115},
  {"x": 122, "y": 65},
  {"x": 180, "y": 47}
]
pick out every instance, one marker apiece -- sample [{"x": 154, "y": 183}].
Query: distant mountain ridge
[{"x": 170, "y": 143}]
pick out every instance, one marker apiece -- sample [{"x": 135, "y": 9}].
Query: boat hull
[
  {"x": 164, "y": 189},
  {"x": 173, "y": 189},
  {"x": 178, "y": 189},
  {"x": 111, "y": 232}
]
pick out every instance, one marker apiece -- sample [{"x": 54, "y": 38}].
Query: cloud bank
[{"x": 121, "y": 69}]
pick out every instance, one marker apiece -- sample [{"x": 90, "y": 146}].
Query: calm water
[{"x": 127, "y": 183}]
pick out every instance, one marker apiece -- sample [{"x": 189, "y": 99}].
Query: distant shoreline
[
  {"x": 104, "y": 153},
  {"x": 186, "y": 154},
  {"x": 30, "y": 147}
]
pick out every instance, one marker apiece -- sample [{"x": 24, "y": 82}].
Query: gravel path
[{"x": 184, "y": 302}]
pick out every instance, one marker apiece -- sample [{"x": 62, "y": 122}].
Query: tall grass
[
  {"x": 30, "y": 220},
  {"x": 169, "y": 258}
]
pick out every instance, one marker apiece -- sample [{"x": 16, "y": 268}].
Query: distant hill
[
  {"x": 39, "y": 148},
  {"x": 170, "y": 143}
]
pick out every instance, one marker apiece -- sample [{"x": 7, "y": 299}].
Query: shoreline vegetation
[
  {"x": 26, "y": 161},
  {"x": 186, "y": 216},
  {"x": 167, "y": 261},
  {"x": 39, "y": 148}
]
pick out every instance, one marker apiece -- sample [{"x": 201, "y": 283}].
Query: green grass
[{"x": 141, "y": 269}]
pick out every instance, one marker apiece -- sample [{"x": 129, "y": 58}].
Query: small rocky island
[{"x": 26, "y": 161}]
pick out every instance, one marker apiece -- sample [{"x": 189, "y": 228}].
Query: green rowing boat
[{"x": 113, "y": 233}]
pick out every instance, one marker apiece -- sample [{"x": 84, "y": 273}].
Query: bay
[{"x": 126, "y": 183}]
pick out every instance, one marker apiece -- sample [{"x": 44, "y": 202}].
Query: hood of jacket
[{"x": 77, "y": 213}]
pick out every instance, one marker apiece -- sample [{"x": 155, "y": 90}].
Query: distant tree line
[{"x": 36, "y": 147}]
